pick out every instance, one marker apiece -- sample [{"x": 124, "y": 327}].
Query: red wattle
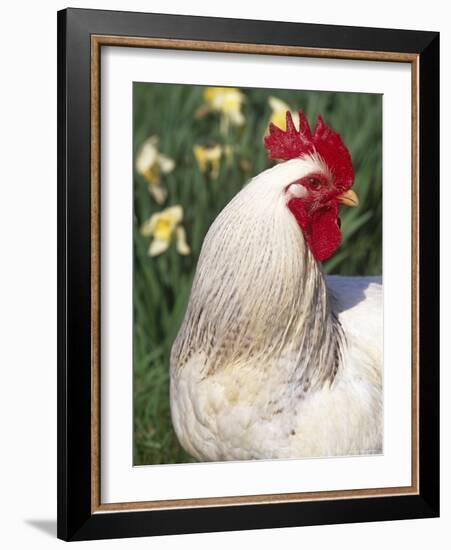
[{"x": 320, "y": 228}]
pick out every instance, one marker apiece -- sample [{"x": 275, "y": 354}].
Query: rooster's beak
[{"x": 349, "y": 198}]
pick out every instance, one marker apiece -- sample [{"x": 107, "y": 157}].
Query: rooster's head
[{"x": 314, "y": 198}]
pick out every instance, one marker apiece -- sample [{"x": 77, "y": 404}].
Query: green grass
[{"x": 162, "y": 284}]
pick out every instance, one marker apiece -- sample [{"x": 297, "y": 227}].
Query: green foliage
[{"x": 162, "y": 284}]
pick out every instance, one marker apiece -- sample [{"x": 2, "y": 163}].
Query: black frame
[{"x": 75, "y": 520}]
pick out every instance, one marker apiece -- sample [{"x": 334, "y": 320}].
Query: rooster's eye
[{"x": 314, "y": 183}]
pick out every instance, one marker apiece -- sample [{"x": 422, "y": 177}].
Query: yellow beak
[{"x": 349, "y": 198}]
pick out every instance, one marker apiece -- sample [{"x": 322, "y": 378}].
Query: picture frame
[{"x": 81, "y": 36}]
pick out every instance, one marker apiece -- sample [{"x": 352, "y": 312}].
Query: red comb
[{"x": 292, "y": 143}]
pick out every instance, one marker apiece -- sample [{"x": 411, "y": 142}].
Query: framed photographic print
[{"x": 248, "y": 274}]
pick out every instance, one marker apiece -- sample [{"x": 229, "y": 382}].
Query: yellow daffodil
[
  {"x": 279, "y": 110},
  {"x": 227, "y": 102},
  {"x": 161, "y": 227},
  {"x": 151, "y": 164},
  {"x": 208, "y": 158}
]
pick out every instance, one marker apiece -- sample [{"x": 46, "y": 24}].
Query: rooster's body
[{"x": 274, "y": 360}]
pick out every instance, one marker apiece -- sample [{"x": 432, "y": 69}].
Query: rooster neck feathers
[{"x": 258, "y": 293}]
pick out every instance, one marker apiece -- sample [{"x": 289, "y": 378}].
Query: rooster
[{"x": 274, "y": 359}]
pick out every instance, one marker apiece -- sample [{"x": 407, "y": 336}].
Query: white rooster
[{"x": 273, "y": 359}]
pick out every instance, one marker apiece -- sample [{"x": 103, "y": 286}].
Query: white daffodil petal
[
  {"x": 295, "y": 117},
  {"x": 277, "y": 104},
  {"x": 146, "y": 157},
  {"x": 213, "y": 153},
  {"x": 166, "y": 164},
  {"x": 236, "y": 117},
  {"x": 181, "y": 244},
  {"x": 148, "y": 226},
  {"x": 175, "y": 213},
  {"x": 158, "y": 192},
  {"x": 158, "y": 246}
]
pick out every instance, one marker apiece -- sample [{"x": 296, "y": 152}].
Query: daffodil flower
[
  {"x": 208, "y": 158},
  {"x": 279, "y": 111},
  {"x": 161, "y": 227},
  {"x": 227, "y": 102},
  {"x": 151, "y": 164}
]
